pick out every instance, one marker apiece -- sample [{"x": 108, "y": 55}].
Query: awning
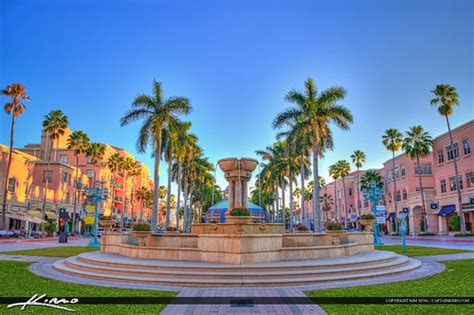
[
  {"x": 65, "y": 216},
  {"x": 51, "y": 215},
  {"x": 35, "y": 213},
  {"x": 23, "y": 217},
  {"x": 391, "y": 217},
  {"x": 446, "y": 210}
]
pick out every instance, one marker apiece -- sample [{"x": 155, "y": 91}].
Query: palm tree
[
  {"x": 95, "y": 152},
  {"x": 126, "y": 167},
  {"x": 334, "y": 173},
  {"x": 114, "y": 163},
  {"x": 446, "y": 98},
  {"x": 142, "y": 194},
  {"x": 327, "y": 202},
  {"x": 17, "y": 94},
  {"x": 78, "y": 141},
  {"x": 417, "y": 144},
  {"x": 54, "y": 124},
  {"x": 343, "y": 168},
  {"x": 393, "y": 140},
  {"x": 369, "y": 176},
  {"x": 358, "y": 159},
  {"x": 313, "y": 113},
  {"x": 157, "y": 113}
]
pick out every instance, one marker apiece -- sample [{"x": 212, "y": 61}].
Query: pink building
[{"x": 444, "y": 174}]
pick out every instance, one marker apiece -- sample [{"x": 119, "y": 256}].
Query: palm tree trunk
[
  {"x": 178, "y": 202},
  {"x": 458, "y": 184},
  {"x": 191, "y": 216},
  {"x": 168, "y": 197},
  {"x": 277, "y": 201},
  {"x": 335, "y": 201},
  {"x": 124, "y": 199},
  {"x": 283, "y": 201},
  {"x": 345, "y": 203},
  {"x": 303, "y": 213},
  {"x": 185, "y": 212},
  {"x": 5, "y": 187},
  {"x": 316, "y": 206},
  {"x": 291, "y": 206},
  {"x": 394, "y": 183},
  {"x": 358, "y": 197},
  {"x": 75, "y": 195},
  {"x": 46, "y": 180},
  {"x": 425, "y": 218},
  {"x": 156, "y": 186}
]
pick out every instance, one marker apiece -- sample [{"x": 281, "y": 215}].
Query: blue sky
[{"x": 236, "y": 60}]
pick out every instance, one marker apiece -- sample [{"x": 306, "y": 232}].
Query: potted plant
[
  {"x": 334, "y": 228},
  {"x": 301, "y": 228},
  {"x": 239, "y": 216},
  {"x": 141, "y": 231},
  {"x": 48, "y": 227},
  {"x": 367, "y": 220}
]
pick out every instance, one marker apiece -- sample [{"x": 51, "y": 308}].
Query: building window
[
  {"x": 443, "y": 185},
  {"x": 350, "y": 191},
  {"x": 11, "y": 185},
  {"x": 405, "y": 194},
  {"x": 90, "y": 173},
  {"x": 402, "y": 168},
  {"x": 89, "y": 160},
  {"x": 26, "y": 188},
  {"x": 65, "y": 177},
  {"x": 398, "y": 197},
  {"x": 389, "y": 197},
  {"x": 453, "y": 183},
  {"x": 470, "y": 179},
  {"x": 67, "y": 198},
  {"x": 452, "y": 153},
  {"x": 63, "y": 158},
  {"x": 47, "y": 176},
  {"x": 467, "y": 147},
  {"x": 423, "y": 169},
  {"x": 440, "y": 156},
  {"x": 366, "y": 203}
]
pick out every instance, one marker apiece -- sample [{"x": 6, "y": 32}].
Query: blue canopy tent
[{"x": 219, "y": 209}]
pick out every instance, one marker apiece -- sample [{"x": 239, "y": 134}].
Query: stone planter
[
  {"x": 107, "y": 224},
  {"x": 240, "y": 220},
  {"x": 141, "y": 235},
  {"x": 368, "y": 224}
]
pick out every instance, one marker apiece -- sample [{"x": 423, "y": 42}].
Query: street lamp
[
  {"x": 96, "y": 194},
  {"x": 374, "y": 194}
]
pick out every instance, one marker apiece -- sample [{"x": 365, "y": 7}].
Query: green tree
[
  {"x": 326, "y": 203},
  {"x": 114, "y": 164},
  {"x": 78, "y": 141},
  {"x": 358, "y": 159},
  {"x": 157, "y": 113},
  {"x": 369, "y": 176},
  {"x": 393, "y": 140},
  {"x": 314, "y": 113},
  {"x": 445, "y": 99},
  {"x": 416, "y": 144},
  {"x": 343, "y": 169},
  {"x": 15, "y": 106},
  {"x": 54, "y": 124},
  {"x": 334, "y": 173}
]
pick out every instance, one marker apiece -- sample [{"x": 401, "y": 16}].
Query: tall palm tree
[
  {"x": 326, "y": 202},
  {"x": 95, "y": 152},
  {"x": 393, "y": 140},
  {"x": 135, "y": 170},
  {"x": 126, "y": 167},
  {"x": 314, "y": 112},
  {"x": 17, "y": 94},
  {"x": 369, "y": 176},
  {"x": 157, "y": 113},
  {"x": 114, "y": 164},
  {"x": 446, "y": 98},
  {"x": 54, "y": 124},
  {"x": 343, "y": 168},
  {"x": 78, "y": 141},
  {"x": 416, "y": 144},
  {"x": 358, "y": 159},
  {"x": 334, "y": 173}
]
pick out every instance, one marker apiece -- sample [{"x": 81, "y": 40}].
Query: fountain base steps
[{"x": 113, "y": 267}]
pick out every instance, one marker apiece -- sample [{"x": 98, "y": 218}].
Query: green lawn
[
  {"x": 455, "y": 281},
  {"x": 18, "y": 281},
  {"x": 62, "y": 251},
  {"x": 419, "y": 250}
]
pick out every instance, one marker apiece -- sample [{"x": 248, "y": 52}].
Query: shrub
[
  {"x": 142, "y": 227},
  {"x": 334, "y": 226},
  {"x": 455, "y": 223},
  {"x": 367, "y": 216},
  {"x": 463, "y": 235},
  {"x": 301, "y": 227},
  {"x": 240, "y": 212},
  {"x": 426, "y": 234}
]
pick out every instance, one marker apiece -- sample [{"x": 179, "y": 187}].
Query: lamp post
[
  {"x": 374, "y": 194},
  {"x": 96, "y": 194}
]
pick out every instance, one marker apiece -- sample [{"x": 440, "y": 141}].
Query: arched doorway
[{"x": 417, "y": 219}]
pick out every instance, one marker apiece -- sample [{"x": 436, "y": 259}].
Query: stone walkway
[{"x": 42, "y": 266}]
